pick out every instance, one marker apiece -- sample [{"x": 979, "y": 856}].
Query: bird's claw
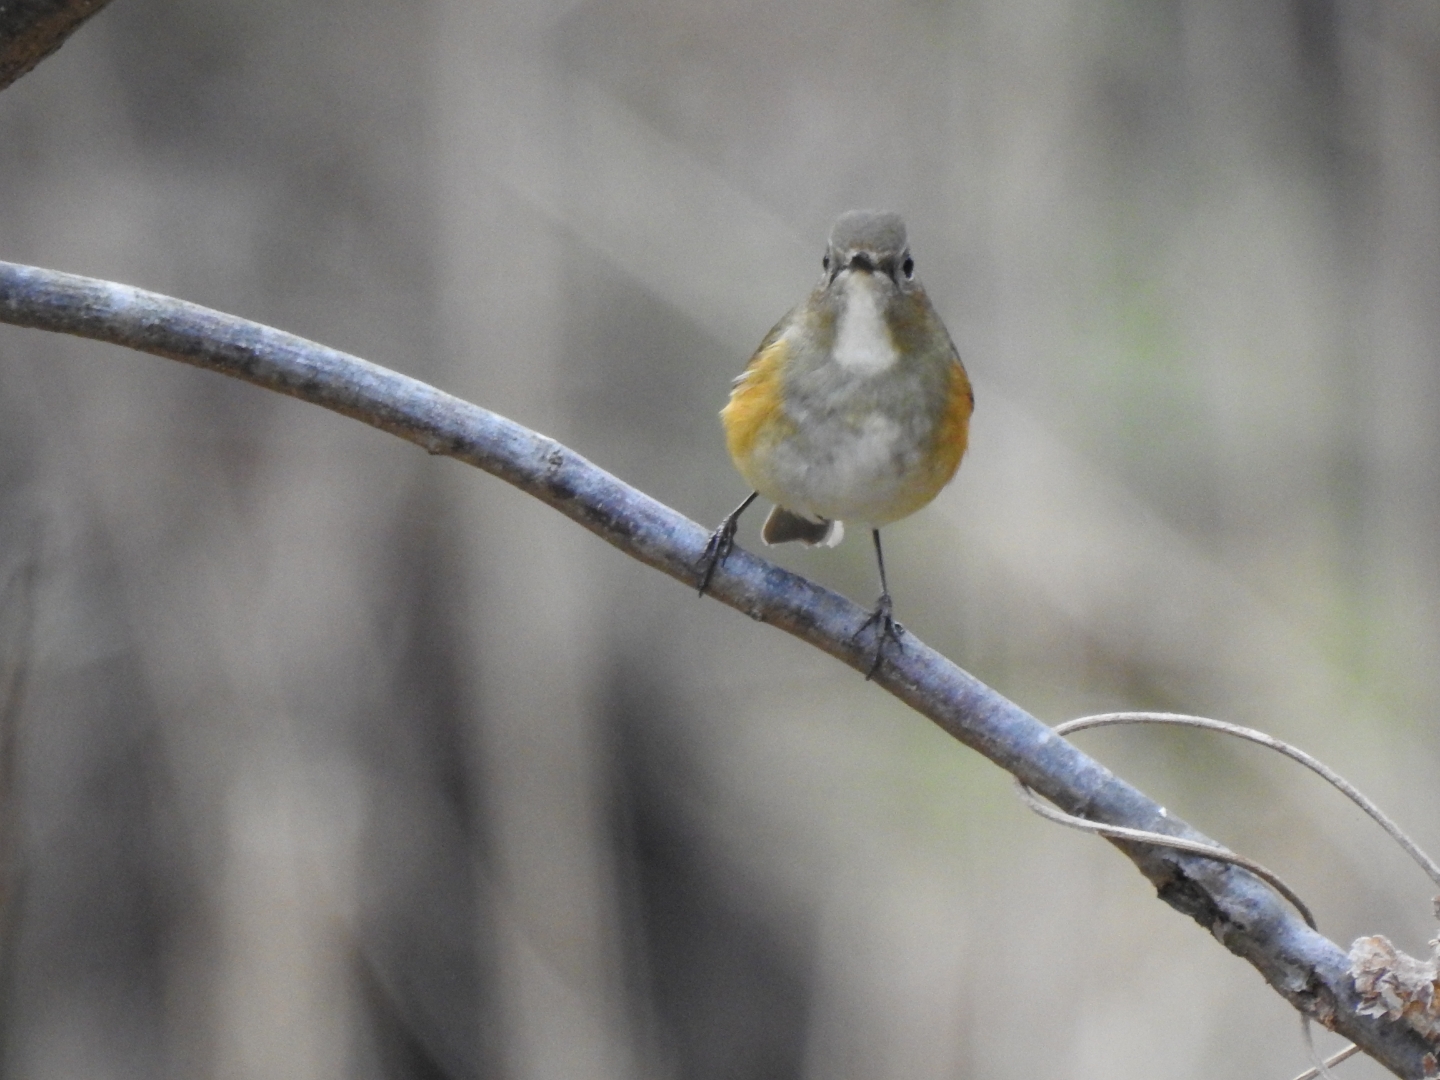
[
  {"x": 716, "y": 548},
  {"x": 886, "y": 629}
]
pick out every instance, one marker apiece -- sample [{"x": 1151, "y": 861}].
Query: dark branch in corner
[
  {"x": 30, "y": 30},
  {"x": 1306, "y": 968}
]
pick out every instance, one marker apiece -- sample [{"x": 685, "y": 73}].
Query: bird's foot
[
  {"x": 886, "y": 629},
  {"x": 721, "y": 541},
  {"x": 718, "y": 546}
]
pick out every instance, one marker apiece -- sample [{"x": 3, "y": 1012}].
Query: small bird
[{"x": 855, "y": 407}]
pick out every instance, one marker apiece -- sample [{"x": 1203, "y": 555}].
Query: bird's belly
[{"x": 870, "y": 469}]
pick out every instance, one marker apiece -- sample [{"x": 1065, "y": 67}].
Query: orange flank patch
[
  {"x": 754, "y": 413},
  {"x": 954, "y": 430}
]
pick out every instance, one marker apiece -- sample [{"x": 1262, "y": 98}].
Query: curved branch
[
  {"x": 1306, "y": 968},
  {"x": 30, "y": 30}
]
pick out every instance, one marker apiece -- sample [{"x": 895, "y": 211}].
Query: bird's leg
[
  {"x": 721, "y": 541},
  {"x": 886, "y": 628}
]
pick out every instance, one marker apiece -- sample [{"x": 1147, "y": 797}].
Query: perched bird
[{"x": 855, "y": 407}]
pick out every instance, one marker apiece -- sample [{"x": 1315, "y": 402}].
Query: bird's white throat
[{"x": 862, "y": 339}]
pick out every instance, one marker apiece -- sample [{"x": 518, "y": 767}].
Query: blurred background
[{"x": 337, "y": 760}]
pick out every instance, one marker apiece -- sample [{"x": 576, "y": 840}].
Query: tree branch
[
  {"x": 30, "y": 30},
  {"x": 1303, "y": 966}
]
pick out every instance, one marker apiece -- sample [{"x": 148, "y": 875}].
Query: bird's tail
[{"x": 783, "y": 525}]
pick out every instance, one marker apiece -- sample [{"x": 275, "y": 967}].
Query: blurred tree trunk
[{"x": 535, "y": 654}]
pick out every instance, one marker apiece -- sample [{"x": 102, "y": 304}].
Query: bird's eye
[
  {"x": 908, "y": 266},
  {"x": 825, "y": 262}
]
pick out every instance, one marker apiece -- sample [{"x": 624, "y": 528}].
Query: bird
[{"x": 855, "y": 407}]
